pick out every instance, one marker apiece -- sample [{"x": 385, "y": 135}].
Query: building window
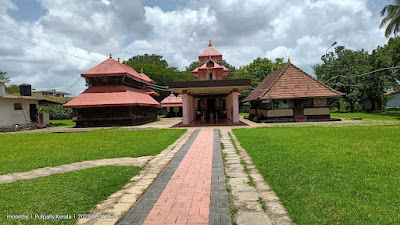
[
  {"x": 320, "y": 102},
  {"x": 17, "y": 106},
  {"x": 275, "y": 104},
  {"x": 284, "y": 104},
  {"x": 280, "y": 104}
]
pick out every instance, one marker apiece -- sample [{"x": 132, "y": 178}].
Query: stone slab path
[
  {"x": 47, "y": 171},
  {"x": 252, "y": 198}
]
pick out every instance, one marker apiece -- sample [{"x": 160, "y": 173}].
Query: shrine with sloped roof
[
  {"x": 211, "y": 99},
  {"x": 117, "y": 95},
  {"x": 288, "y": 95}
]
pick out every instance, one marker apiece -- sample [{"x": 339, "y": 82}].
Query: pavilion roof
[
  {"x": 111, "y": 67},
  {"x": 210, "y": 51},
  {"x": 151, "y": 92},
  {"x": 216, "y": 65},
  {"x": 290, "y": 82},
  {"x": 103, "y": 96},
  {"x": 172, "y": 101}
]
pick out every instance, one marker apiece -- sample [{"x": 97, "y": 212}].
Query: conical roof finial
[
  {"x": 118, "y": 59},
  {"x": 209, "y": 43},
  {"x": 110, "y": 55},
  {"x": 141, "y": 70},
  {"x": 288, "y": 59}
]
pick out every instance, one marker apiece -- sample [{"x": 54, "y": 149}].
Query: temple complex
[
  {"x": 117, "y": 95},
  {"x": 210, "y": 99},
  {"x": 290, "y": 95}
]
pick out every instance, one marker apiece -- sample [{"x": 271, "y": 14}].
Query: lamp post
[{"x": 333, "y": 44}]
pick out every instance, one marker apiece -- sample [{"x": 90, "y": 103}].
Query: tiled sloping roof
[
  {"x": 172, "y": 101},
  {"x": 390, "y": 92},
  {"x": 216, "y": 65},
  {"x": 99, "y": 96},
  {"x": 111, "y": 67},
  {"x": 210, "y": 51},
  {"x": 291, "y": 82},
  {"x": 151, "y": 92}
]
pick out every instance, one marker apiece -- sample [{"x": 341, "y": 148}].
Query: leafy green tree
[
  {"x": 258, "y": 70},
  {"x": 361, "y": 76},
  {"x": 3, "y": 75},
  {"x": 12, "y": 89},
  {"x": 391, "y": 15}
]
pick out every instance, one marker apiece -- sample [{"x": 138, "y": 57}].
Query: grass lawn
[
  {"x": 243, "y": 114},
  {"x": 330, "y": 175},
  {"x": 27, "y": 151},
  {"x": 389, "y": 115},
  {"x": 69, "y": 193},
  {"x": 62, "y": 123}
]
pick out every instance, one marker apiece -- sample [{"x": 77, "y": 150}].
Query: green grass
[
  {"x": 69, "y": 193},
  {"x": 330, "y": 175},
  {"x": 389, "y": 115},
  {"x": 27, "y": 151},
  {"x": 62, "y": 123},
  {"x": 243, "y": 114}
]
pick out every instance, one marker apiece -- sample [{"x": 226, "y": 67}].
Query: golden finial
[
  {"x": 110, "y": 55},
  {"x": 272, "y": 69},
  {"x": 209, "y": 43},
  {"x": 288, "y": 59},
  {"x": 118, "y": 59},
  {"x": 141, "y": 70}
]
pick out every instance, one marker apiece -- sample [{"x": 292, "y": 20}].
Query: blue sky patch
[{"x": 27, "y": 10}]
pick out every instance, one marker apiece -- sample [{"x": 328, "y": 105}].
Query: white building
[
  {"x": 393, "y": 99},
  {"x": 19, "y": 110}
]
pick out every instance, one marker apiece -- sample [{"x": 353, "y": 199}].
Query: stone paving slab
[
  {"x": 245, "y": 198},
  {"x": 42, "y": 172}
]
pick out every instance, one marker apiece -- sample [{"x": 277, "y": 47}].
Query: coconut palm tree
[{"x": 392, "y": 16}]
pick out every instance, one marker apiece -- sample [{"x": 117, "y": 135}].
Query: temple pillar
[
  {"x": 228, "y": 103},
  {"x": 191, "y": 100},
  {"x": 186, "y": 108},
  {"x": 235, "y": 104}
]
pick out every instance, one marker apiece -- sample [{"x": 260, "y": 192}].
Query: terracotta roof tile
[
  {"x": 112, "y": 67},
  {"x": 291, "y": 82},
  {"x": 99, "y": 96},
  {"x": 210, "y": 51}
]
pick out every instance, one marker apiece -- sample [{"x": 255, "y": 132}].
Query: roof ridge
[{"x": 318, "y": 81}]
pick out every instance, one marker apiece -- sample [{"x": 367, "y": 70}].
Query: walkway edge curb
[
  {"x": 274, "y": 208},
  {"x": 121, "y": 201}
]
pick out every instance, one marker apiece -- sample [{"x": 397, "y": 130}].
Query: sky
[{"x": 179, "y": 30}]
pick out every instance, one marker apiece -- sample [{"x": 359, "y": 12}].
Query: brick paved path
[{"x": 197, "y": 184}]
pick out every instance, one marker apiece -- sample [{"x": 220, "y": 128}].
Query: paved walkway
[
  {"x": 191, "y": 190},
  {"x": 47, "y": 171}
]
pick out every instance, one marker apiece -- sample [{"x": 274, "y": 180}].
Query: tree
[
  {"x": 352, "y": 72},
  {"x": 3, "y": 75},
  {"x": 392, "y": 18},
  {"x": 158, "y": 70},
  {"x": 258, "y": 70},
  {"x": 12, "y": 89}
]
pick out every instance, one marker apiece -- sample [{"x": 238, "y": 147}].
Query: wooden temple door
[{"x": 298, "y": 107}]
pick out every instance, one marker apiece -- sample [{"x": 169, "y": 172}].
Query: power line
[
  {"x": 48, "y": 48},
  {"x": 387, "y": 68}
]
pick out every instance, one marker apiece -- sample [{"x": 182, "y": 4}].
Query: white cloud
[{"x": 241, "y": 30}]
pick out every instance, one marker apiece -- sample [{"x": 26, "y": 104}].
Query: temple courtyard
[{"x": 162, "y": 173}]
